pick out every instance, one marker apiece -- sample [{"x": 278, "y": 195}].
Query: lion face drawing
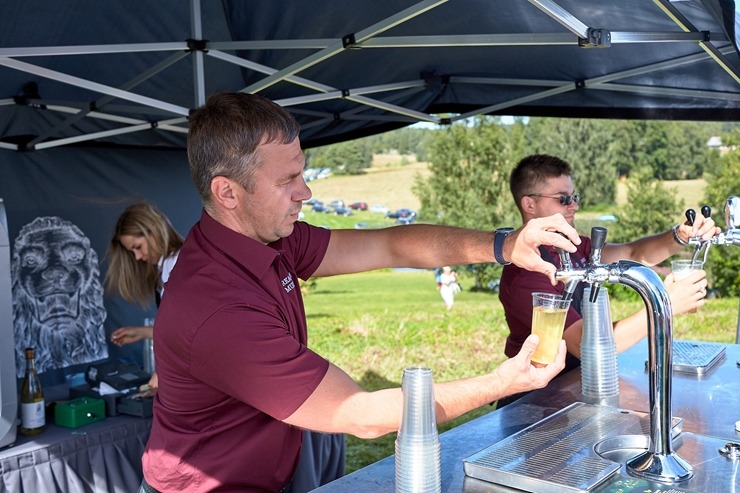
[{"x": 57, "y": 296}]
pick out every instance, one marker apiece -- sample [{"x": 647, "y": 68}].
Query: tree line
[{"x": 470, "y": 162}]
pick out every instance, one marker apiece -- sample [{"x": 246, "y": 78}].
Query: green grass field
[{"x": 375, "y": 324}]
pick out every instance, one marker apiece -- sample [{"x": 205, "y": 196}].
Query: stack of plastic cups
[
  {"x": 599, "y": 375},
  {"x": 418, "y": 464}
]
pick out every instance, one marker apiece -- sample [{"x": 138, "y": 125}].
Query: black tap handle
[
  {"x": 706, "y": 211},
  {"x": 598, "y": 237},
  {"x": 691, "y": 216}
]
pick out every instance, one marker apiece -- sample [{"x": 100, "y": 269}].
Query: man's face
[
  {"x": 546, "y": 202},
  {"x": 279, "y": 191}
]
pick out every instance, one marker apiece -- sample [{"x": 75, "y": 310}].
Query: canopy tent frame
[{"x": 147, "y": 112}]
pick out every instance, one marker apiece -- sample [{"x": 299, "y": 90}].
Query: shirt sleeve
[{"x": 307, "y": 246}]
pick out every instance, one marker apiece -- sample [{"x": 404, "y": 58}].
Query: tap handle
[
  {"x": 706, "y": 211},
  {"x": 565, "y": 262},
  {"x": 691, "y": 216},
  {"x": 598, "y": 237}
]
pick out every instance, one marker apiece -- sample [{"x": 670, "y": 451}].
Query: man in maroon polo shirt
[
  {"x": 543, "y": 185},
  {"x": 237, "y": 382}
]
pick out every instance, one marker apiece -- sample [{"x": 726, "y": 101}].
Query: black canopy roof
[{"x": 127, "y": 72}]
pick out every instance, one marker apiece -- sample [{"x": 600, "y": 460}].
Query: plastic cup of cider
[
  {"x": 684, "y": 268},
  {"x": 548, "y": 322}
]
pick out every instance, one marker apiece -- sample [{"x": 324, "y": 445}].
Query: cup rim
[{"x": 551, "y": 298}]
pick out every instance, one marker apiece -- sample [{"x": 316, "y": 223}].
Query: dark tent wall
[{"x": 89, "y": 187}]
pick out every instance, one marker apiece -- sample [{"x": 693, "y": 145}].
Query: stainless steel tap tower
[{"x": 659, "y": 462}]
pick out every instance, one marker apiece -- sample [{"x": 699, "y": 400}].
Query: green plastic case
[{"x": 79, "y": 412}]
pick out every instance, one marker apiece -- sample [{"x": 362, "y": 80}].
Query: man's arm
[
  {"x": 339, "y": 405},
  {"x": 427, "y": 246},
  {"x": 654, "y": 249}
]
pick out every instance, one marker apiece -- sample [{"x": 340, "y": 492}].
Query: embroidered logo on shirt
[{"x": 288, "y": 284}]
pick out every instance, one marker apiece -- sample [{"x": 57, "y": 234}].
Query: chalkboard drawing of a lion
[{"x": 57, "y": 296}]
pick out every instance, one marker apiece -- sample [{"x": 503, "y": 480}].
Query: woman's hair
[{"x": 137, "y": 281}]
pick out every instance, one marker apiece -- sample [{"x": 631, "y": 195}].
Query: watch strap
[{"x": 498, "y": 244}]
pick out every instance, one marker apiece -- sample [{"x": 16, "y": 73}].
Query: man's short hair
[
  {"x": 534, "y": 170},
  {"x": 225, "y": 134}
]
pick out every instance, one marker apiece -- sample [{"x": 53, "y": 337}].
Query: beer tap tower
[
  {"x": 731, "y": 236},
  {"x": 659, "y": 462}
]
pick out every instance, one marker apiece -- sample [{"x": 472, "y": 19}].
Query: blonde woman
[{"x": 142, "y": 252}]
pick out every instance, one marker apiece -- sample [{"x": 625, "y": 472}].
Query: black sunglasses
[{"x": 563, "y": 199}]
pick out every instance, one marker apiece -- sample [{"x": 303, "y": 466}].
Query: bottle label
[{"x": 32, "y": 415}]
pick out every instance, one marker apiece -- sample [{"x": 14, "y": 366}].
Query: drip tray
[
  {"x": 695, "y": 357},
  {"x": 557, "y": 453}
]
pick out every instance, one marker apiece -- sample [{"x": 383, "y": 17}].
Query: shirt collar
[{"x": 254, "y": 256}]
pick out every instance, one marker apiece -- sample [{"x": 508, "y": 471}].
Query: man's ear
[
  {"x": 224, "y": 192},
  {"x": 527, "y": 205}
]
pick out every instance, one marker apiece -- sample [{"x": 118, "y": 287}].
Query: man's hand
[
  {"x": 521, "y": 246},
  {"x": 522, "y": 376},
  {"x": 703, "y": 228},
  {"x": 687, "y": 294}
]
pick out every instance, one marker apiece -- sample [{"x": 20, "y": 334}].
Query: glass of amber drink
[{"x": 548, "y": 322}]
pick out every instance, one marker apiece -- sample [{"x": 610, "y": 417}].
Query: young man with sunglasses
[{"x": 542, "y": 185}]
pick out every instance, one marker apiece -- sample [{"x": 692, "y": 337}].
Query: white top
[{"x": 165, "y": 266}]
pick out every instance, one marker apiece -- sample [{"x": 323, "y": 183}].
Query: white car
[{"x": 379, "y": 209}]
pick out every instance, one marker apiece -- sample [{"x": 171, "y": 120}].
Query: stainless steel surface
[
  {"x": 713, "y": 471},
  {"x": 708, "y": 404},
  {"x": 557, "y": 453}
]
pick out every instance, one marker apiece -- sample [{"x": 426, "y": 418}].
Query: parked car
[
  {"x": 319, "y": 207},
  {"x": 342, "y": 211},
  {"x": 401, "y": 213},
  {"x": 358, "y": 206},
  {"x": 406, "y": 220},
  {"x": 379, "y": 209},
  {"x": 336, "y": 203}
]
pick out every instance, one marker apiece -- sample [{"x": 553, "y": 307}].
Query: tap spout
[{"x": 659, "y": 462}]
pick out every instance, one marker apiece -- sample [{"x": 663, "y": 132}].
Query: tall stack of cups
[
  {"x": 418, "y": 464},
  {"x": 599, "y": 375}
]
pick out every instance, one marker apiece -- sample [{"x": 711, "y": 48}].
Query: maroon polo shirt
[
  {"x": 515, "y": 293},
  {"x": 232, "y": 361}
]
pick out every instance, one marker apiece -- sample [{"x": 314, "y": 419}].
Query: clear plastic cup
[
  {"x": 548, "y": 321},
  {"x": 418, "y": 461},
  {"x": 681, "y": 269},
  {"x": 419, "y": 419},
  {"x": 599, "y": 375}
]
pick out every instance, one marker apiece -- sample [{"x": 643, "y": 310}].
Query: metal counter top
[{"x": 708, "y": 404}]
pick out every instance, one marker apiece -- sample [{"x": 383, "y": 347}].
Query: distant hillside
[{"x": 388, "y": 183}]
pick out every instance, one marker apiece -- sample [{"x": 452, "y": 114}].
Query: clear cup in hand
[
  {"x": 548, "y": 322},
  {"x": 682, "y": 269}
]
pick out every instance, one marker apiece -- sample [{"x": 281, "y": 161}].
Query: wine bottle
[{"x": 33, "y": 411}]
